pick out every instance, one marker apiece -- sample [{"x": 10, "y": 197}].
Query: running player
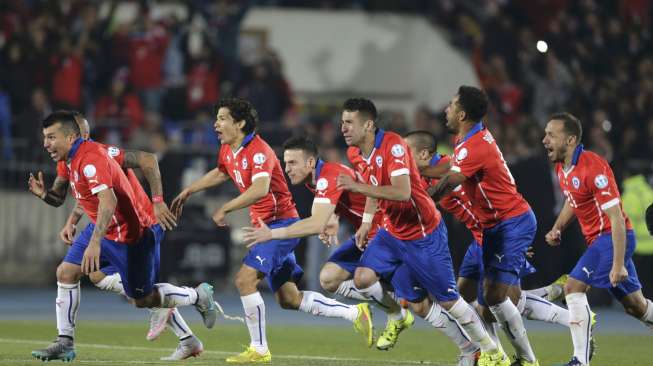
[
  {"x": 254, "y": 168},
  {"x": 592, "y": 196}
]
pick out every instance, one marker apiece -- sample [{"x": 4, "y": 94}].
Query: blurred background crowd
[{"x": 149, "y": 80}]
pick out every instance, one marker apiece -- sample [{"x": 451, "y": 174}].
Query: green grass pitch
[{"x": 105, "y": 343}]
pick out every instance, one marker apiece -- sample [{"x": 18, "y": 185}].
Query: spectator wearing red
[
  {"x": 68, "y": 68},
  {"x": 119, "y": 110},
  {"x": 203, "y": 81}
]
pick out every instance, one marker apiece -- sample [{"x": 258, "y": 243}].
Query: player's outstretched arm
[
  {"x": 106, "y": 208},
  {"x": 55, "y": 196},
  {"x": 67, "y": 233},
  {"x": 212, "y": 178},
  {"x": 315, "y": 224},
  {"x": 448, "y": 182},
  {"x": 565, "y": 218},
  {"x": 618, "y": 273},
  {"x": 398, "y": 190},
  {"x": 436, "y": 171},
  {"x": 257, "y": 190},
  {"x": 147, "y": 162}
]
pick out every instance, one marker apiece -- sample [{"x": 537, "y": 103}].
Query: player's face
[
  {"x": 298, "y": 166},
  {"x": 227, "y": 129},
  {"x": 354, "y": 127},
  {"x": 56, "y": 142},
  {"x": 420, "y": 155},
  {"x": 454, "y": 115},
  {"x": 556, "y": 142}
]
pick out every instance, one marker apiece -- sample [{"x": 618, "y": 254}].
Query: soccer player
[
  {"x": 592, "y": 196},
  {"x": 124, "y": 234},
  {"x": 303, "y": 166},
  {"x": 254, "y": 168},
  {"x": 508, "y": 222},
  {"x": 414, "y": 232},
  {"x": 107, "y": 278}
]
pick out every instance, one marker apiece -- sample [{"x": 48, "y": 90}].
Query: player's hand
[
  {"x": 67, "y": 233},
  {"x": 328, "y": 240},
  {"x": 530, "y": 252},
  {"x": 618, "y": 274},
  {"x": 164, "y": 217},
  {"x": 346, "y": 183},
  {"x": 177, "y": 204},
  {"x": 255, "y": 235},
  {"x": 91, "y": 259},
  {"x": 218, "y": 217},
  {"x": 361, "y": 235},
  {"x": 329, "y": 236},
  {"x": 37, "y": 185},
  {"x": 553, "y": 237}
]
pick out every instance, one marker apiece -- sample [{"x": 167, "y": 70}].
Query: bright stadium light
[{"x": 542, "y": 46}]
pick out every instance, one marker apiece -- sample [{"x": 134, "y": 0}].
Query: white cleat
[
  {"x": 190, "y": 347},
  {"x": 206, "y": 305},
  {"x": 158, "y": 320}
]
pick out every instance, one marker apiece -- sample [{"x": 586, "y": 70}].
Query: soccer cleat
[
  {"x": 468, "y": 359},
  {"x": 250, "y": 356},
  {"x": 60, "y": 349},
  {"x": 519, "y": 362},
  {"x": 189, "y": 347},
  {"x": 574, "y": 362},
  {"x": 494, "y": 358},
  {"x": 390, "y": 335},
  {"x": 556, "y": 290},
  {"x": 206, "y": 305},
  {"x": 592, "y": 343},
  {"x": 158, "y": 320},
  {"x": 363, "y": 323}
]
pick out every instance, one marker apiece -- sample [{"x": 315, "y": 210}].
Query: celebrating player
[{"x": 592, "y": 196}]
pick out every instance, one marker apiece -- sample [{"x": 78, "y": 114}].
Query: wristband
[
  {"x": 367, "y": 218},
  {"x": 157, "y": 199}
]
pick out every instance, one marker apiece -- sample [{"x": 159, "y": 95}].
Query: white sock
[
  {"x": 493, "y": 330},
  {"x": 67, "y": 304},
  {"x": 580, "y": 325},
  {"x": 384, "y": 299},
  {"x": 348, "y": 290},
  {"x": 536, "y": 308},
  {"x": 440, "y": 319},
  {"x": 647, "y": 319},
  {"x": 178, "y": 325},
  {"x": 174, "y": 296},
  {"x": 255, "y": 319},
  {"x": 317, "y": 304},
  {"x": 472, "y": 324},
  {"x": 513, "y": 325},
  {"x": 111, "y": 283}
]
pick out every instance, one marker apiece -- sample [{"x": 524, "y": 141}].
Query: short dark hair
[
  {"x": 424, "y": 140},
  {"x": 67, "y": 120},
  {"x": 570, "y": 124},
  {"x": 240, "y": 110},
  {"x": 363, "y": 106},
  {"x": 473, "y": 101},
  {"x": 301, "y": 143}
]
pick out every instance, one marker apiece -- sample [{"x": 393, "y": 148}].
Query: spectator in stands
[{"x": 119, "y": 110}]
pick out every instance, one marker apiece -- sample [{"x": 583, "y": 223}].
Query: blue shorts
[
  {"x": 428, "y": 259},
  {"x": 406, "y": 285},
  {"x": 593, "y": 267},
  {"x": 347, "y": 255},
  {"x": 505, "y": 246},
  {"x": 276, "y": 258},
  {"x": 76, "y": 251},
  {"x": 472, "y": 265}
]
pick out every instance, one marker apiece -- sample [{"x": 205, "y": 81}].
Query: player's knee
[
  {"x": 68, "y": 273},
  {"x": 422, "y": 308},
  {"x": 143, "y": 303},
  {"x": 289, "y": 303},
  {"x": 328, "y": 282},
  {"x": 364, "y": 278},
  {"x": 636, "y": 309}
]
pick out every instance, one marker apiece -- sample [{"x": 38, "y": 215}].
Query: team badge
[
  {"x": 379, "y": 160},
  {"x": 259, "y": 158},
  {"x": 461, "y": 154},
  {"x": 89, "y": 171},
  {"x": 322, "y": 184},
  {"x": 601, "y": 181},
  {"x": 113, "y": 151},
  {"x": 575, "y": 182},
  {"x": 244, "y": 163},
  {"x": 397, "y": 150}
]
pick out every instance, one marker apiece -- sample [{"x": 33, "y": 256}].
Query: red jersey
[
  {"x": 405, "y": 220},
  {"x": 119, "y": 156},
  {"x": 489, "y": 184},
  {"x": 349, "y": 205},
  {"x": 255, "y": 159},
  {"x": 91, "y": 171},
  {"x": 590, "y": 188},
  {"x": 457, "y": 203}
]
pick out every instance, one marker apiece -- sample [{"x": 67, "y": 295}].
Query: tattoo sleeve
[
  {"x": 148, "y": 164},
  {"x": 56, "y": 195},
  {"x": 106, "y": 208}
]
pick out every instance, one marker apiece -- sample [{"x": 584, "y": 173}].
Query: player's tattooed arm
[
  {"x": 450, "y": 181},
  {"x": 106, "y": 208},
  {"x": 437, "y": 171},
  {"x": 56, "y": 195},
  {"x": 149, "y": 165}
]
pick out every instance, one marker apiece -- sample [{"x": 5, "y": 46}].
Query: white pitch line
[{"x": 221, "y": 353}]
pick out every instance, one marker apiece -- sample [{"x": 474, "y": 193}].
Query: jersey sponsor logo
[
  {"x": 243, "y": 163},
  {"x": 462, "y": 154},
  {"x": 322, "y": 184},
  {"x": 499, "y": 257},
  {"x": 379, "y": 160},
  {"x": 587, "y": 272},
  {"x": 113, "y": 151},
  {"x": 601, "y": 181},
  {"x": 259, "y": 158},
  {"x": 89, "y": 171},
  {"x": 260, "y": 259},
  {"x": 575, "y": 182},
  {"x": 397, "y": 150}
]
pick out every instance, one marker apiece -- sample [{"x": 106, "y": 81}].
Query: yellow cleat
[
  {"x": 494, "y": 358},
  {"x": 250, "y": 356},
  {"x": 363, "y": 323},
  {"x": 390, "y": 335},
  {"x": 520, "y": 362},
  {"x": 592, "y": 341}
]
